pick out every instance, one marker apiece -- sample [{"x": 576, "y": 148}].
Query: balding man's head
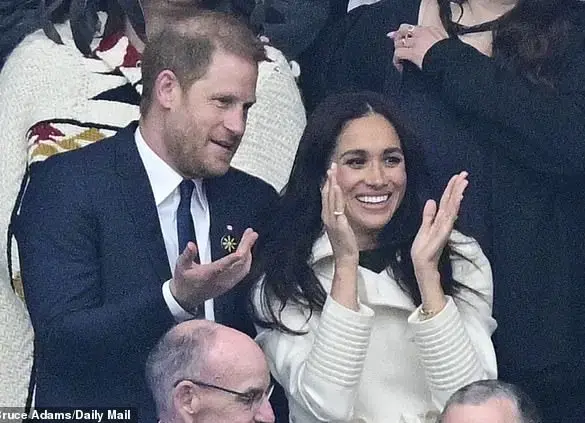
[
  {"x": 205, "y": 372},
  {"x": 489, "y": 401},
  {"x": 180, "y": 353}
]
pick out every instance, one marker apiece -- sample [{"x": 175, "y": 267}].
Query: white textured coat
[{"x": 383, "y": 363}]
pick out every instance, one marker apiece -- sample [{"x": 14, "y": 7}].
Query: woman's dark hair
[
  {"x": 287, "y": 236},
  {"x": 532, "y": 39}
]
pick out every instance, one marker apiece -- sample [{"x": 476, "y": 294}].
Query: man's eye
[
  {"x": 248, "y": 400},
  {"x": 222, "y": 103}
]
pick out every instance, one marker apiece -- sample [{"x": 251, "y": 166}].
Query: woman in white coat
[{"x": 365, "y": 313}]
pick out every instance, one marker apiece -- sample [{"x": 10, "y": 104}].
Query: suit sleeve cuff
[{"x": 178, "y": 312}]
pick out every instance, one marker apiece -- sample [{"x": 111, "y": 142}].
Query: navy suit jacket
[{"x": 93, "y": 262}]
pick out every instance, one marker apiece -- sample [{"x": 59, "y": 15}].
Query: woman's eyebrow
[{"x": 356, "y": 151}]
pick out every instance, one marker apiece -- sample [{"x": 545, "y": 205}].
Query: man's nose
[
  {"x": 235, "y": 121},
  {"x": 265, "y": 414}
]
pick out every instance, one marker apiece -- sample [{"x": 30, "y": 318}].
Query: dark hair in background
[
  {"x": 481, "y": 391},
  {"x": 287, "y": 236},
  {"x": 19, "y": 18},
  {"x": 531, "y": 39},
  {"x": 186, "y": 48}
]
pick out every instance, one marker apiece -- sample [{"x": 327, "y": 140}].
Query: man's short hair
[
  {"x": 178, "y": 355},
  {"x": 186, "y": 48},
  {"x": 481, "y": 391}
]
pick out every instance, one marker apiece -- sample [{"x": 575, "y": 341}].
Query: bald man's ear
[
  {"x": 167, "y": 89},
  {"x": 186, "y": 402}
]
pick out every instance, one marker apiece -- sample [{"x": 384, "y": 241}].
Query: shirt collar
[{"x": 163, "y": 178}]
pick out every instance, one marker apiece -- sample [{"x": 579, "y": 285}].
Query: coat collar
[{"x": 378, "y": 289}]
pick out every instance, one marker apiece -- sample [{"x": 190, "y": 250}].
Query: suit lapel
[
  {"x": 139, "y": 199},
  {"x": 225, "y": 226},
  {"x": 225, "y": 216}
]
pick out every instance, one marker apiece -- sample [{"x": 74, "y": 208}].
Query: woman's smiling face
[{"x": 371, "y": 174}]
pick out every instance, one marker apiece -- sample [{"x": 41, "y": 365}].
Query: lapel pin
[{"x": 228, "y": 241}]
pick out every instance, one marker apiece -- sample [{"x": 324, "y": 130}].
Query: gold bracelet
[{"x": 426, "y": 314}]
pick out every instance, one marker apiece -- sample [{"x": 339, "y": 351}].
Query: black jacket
[{"x": 93, "y": 262}]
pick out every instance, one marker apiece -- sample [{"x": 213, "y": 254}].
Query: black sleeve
[
  {"x": 550, "y": 125},
  {"x": 58, "y": 235},
  {"x": 353, "y": 53},
  {"x": 291, "y": 26}
]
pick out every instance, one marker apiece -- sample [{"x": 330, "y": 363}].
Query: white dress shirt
[
  {"x": 164, "y": 181},
  {"x": 356, "y": 3}
]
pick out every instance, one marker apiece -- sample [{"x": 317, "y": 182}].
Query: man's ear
[
  {"x": 167, "y": 89},
  {"x": 186, "y": 402}
]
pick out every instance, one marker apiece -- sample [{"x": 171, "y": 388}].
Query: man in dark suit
[{"x": 121, "y": 239}]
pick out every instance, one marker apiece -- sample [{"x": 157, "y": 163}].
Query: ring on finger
[{"x": 337, "y": 213}]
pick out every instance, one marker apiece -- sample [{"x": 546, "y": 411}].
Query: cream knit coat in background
[{"x": 42, "y": 80}]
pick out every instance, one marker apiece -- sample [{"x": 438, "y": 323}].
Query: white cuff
[{"x": 178, "y": 312}]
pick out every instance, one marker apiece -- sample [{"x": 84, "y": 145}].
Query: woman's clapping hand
[
  {"x": 338, "y": 229},
  {"x": 437, "y": 225}
]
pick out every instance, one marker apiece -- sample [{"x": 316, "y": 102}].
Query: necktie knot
[{"x": 186, "y": 189}]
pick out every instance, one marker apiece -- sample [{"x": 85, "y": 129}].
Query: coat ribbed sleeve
[
  {"x": 321, "y": 370},
  {"x": 455, "y": 345}
]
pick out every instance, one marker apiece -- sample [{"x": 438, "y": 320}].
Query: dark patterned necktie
[{"x": 185, "y": 227}]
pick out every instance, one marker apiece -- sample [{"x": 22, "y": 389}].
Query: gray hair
[
  {"x": 180, "y": 354},
  {"x": 479, "y": 392}
]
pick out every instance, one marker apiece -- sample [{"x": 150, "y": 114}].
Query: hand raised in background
[{"x": 412, "y": 42}]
